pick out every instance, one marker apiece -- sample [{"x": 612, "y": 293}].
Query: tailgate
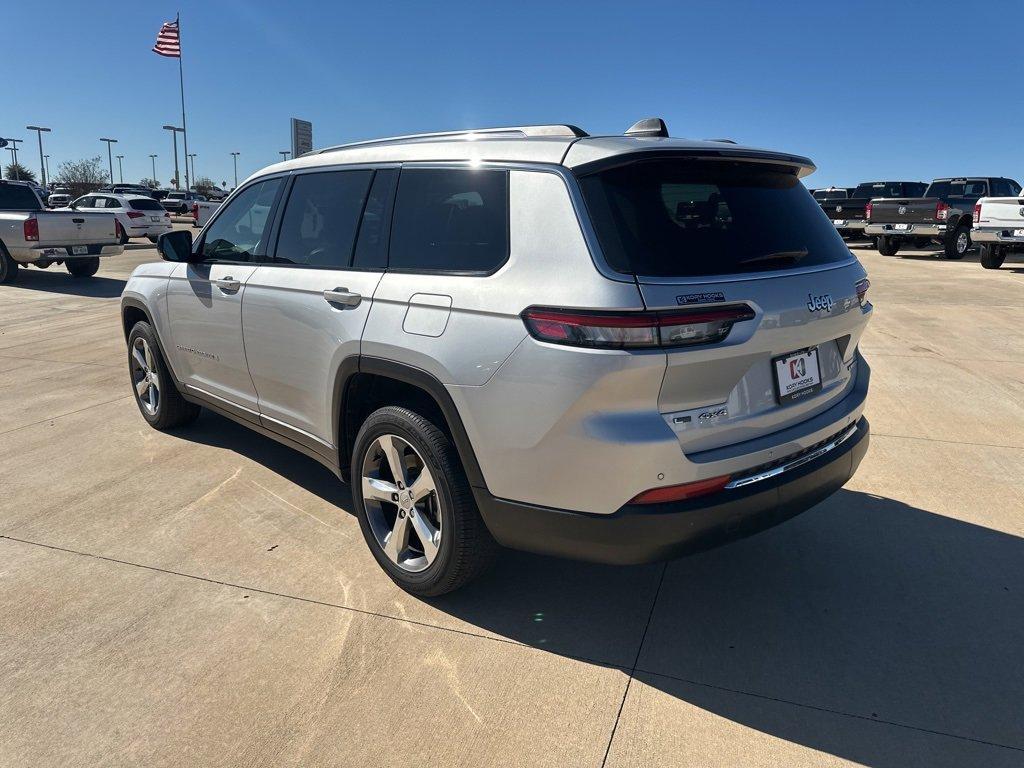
[
  {"x": 914, "y": 210},
  {"x": 1001, "y": 212},
  {"x": 845, "y": 209},
  {"x": 58, "y": 228}
]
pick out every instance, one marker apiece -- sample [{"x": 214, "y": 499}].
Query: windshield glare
[{"x": 688, "y": 218}]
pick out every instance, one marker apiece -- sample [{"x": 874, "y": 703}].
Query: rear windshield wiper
[{"x": 793, "y": 256}]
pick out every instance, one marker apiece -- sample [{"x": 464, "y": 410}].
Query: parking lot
[{"x": 206, "y": 597}]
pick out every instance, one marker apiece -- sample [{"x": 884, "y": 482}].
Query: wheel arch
[
  {"x": 366, "y": 383},
  {"x": 134, "y": 310}
]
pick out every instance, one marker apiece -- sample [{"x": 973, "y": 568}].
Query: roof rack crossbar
[{"x": 512, "y": 132}]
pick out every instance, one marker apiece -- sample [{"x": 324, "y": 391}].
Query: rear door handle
[
  {"x": 343, "y": 296},
  {"x": 228, "y": 284}
]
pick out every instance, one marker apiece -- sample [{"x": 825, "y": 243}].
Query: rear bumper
[
  {"x": 995, "y": 235},
  {"x": 646, "y": 533},
  {"x": 53, "y": 253},
  {"x": 849, "y": 224},
  {"x": 916, "y": 230}
]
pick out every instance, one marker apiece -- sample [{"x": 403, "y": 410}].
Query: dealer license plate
[{"x": 797, "y": 375}]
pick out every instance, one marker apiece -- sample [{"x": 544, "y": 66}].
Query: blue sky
[{"x": 935, "y": 91}]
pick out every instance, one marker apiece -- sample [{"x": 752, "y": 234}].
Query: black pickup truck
[
  {"x": 849, "y": 215},
  {"x": 942, "y": 216}
]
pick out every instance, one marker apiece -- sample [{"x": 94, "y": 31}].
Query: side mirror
[{"x": 175, "y": 246}]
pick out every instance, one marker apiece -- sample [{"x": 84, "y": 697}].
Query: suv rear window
[
  {"x": 450, "y": 220},
  {"x": 684, "y": 219},
  {"x": 145, "y": 205}
]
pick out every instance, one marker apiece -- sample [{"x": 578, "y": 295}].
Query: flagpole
[{"x": 181, "y": 82}]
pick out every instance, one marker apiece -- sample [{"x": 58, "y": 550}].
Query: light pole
[
  {"x": 120, "y": 169},
  {"x": 152, "y": 159},
  {"x": 46, "y": 165},
  {"x": 14, "y": 156},
  {"x": 174, "y": 134},
  {"x": 39, "y": 133},
  {"x": 234, "y": 157},
  {"x": 284, "y": 154},
  {"x": 110, "y": 157},
  {"x": 193, "y": 156}
]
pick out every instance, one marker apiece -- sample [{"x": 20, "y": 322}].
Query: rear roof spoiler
[{"x": 803, "y": 165}]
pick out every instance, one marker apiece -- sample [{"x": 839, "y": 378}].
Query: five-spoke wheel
[{"x": 145, "y": 376}]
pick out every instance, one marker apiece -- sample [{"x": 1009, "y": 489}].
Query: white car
[{"x": 140, "y": 216}]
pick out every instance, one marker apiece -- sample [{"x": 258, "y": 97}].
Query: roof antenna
[{"x": 650, "y": 126}]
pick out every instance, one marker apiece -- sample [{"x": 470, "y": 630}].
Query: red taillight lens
[
  {"x": 867, "y": 211},
  {"x": 977, "y": 212},
  {"x": 135, "y": 214},
  {"x": 681, "y": 492},
  {"x": 862, "y": 291},
  {"x": 941, "y": 211},
  {"x": 31, "y": 227},
  {"x": 634, "y": 330},
  {"x": 195, "y": 210}
]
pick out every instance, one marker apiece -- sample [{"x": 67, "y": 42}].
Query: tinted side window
[
  {"x": 372, "y": 245},
  {"x": 938, "y": 189},
  {"x": 450, "y": 220},
  {"x": 237, "y": 232},
  {"x": 320, "y": 220}
]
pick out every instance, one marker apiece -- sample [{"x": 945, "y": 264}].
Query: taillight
[
  {"x": 862, "y": 291},
  {"x": 31, "y": 228},
  {"x": 681, "y": 492},
  {"x": 634, "y": 330},
  {"x": 118, "y": 229},
  {"x": 135, "y": 214},
  {"x": 941, "y": 211},
  {"x": 195, "y": 211},
  {"x": 867, "y": 211},
  {"x": 167, "y": 214},
  {"x": 977, "y": 212}
]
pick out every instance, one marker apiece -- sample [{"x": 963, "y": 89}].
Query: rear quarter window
[{"x": 685, "y": 219}]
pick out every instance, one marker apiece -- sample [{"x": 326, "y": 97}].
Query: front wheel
[
  {"x": 415, "y": 506},
  {"x": 992, "y": 256},
  {"x": 888, "y": 246},
  {"x": 8, "y": 266},
  {"x": 155, "y": 393},
  {"x": 958, "y": 244},
  {"x": 83, "y": 267}
]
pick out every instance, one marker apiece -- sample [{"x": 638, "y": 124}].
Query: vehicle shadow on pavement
[
  {"x": 865, "y": 628},
  {"x": 56, "y": 279}
]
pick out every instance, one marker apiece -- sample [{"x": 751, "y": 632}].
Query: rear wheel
[
  {"x": 415, "y": 506},
  {"x": 992, "y": 256},
  {"x": 888, "y": 246},
  {"x": 155, "y": 393},
  {"x": 83, "y": 267},
  {"x": 8, "y": 267},
  {"x": 959, "y": 243}
]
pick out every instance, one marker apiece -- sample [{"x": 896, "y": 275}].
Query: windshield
[{"x": 678, "y": 218}]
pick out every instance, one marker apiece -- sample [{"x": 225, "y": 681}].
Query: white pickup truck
[
  {"x": 30, "y": 234},
  {"x": 998, "y": 228},
  {"x": 203, "y": 210}
]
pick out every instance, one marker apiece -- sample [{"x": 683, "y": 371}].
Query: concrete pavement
[{"x": 206, "y": 598}]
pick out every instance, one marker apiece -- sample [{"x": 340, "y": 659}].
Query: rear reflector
[
  {"x": 681, "y": 492},
  {"x": 31, "y": 228},
  {"x": 634, "y": 330}
]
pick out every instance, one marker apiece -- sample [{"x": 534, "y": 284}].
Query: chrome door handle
[
  {"x": 228, "y": 284},
  {"x": 343, "y": 296}
]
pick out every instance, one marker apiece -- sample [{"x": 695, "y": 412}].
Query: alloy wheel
[
  {"x": 962, "y": 242},
  {"x": 401, "y": 503},
  {"x": 145, "y": 377}
]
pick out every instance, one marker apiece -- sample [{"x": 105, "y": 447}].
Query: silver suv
[{"x": 614, "y": 348}]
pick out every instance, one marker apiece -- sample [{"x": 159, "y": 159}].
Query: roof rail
[{"x": 512, "y": 132}]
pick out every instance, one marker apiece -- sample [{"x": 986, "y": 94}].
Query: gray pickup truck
[{"x": 31, "y": 234}]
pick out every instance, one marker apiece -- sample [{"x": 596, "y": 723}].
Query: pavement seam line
[
  {"x": 62, "y": 415},
  {"x": 636, "y": 661},
  {"x": 949, "y": 442},
  {"x": 310, "y": 600},
  {"x": 60, "y": 362},
  {"x": 828, "y": 710}
]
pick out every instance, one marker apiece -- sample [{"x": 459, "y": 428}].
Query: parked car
[
  {"x": 139, "y": 215},
  {"x": 202, "y": 211},
  {"x": 831, "y": 193},
  {"x": 127, "y": 189},
  {"x": 616, "y": 348},
  {"x": 30, "y": 234},
  {"x": 942, "y": 216},
  {"x": 849, "y": 214},
  {"x": 159, "y": 194},
  {"x": 180, "y": 202},
  {"x": 998, "y": 228},
  {"x": 59, "y": 198}
]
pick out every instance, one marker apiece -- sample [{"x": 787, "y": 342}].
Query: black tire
[
  {"x": 888, "y": 246},
  {"x": 172, "y": 410},
  {"x": 466, "y": 548},
  {"x": 83, "y": 267},
  {"x": 958, "y": 244},
  {"x": 123, "y": 240},
  {"x": 8, "y": 267},
  {"x": 992, "y": 256}
]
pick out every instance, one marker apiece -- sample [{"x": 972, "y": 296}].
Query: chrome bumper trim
[
  {"x": 916, "y": 230},
  {"x": 797, "y": 462}
]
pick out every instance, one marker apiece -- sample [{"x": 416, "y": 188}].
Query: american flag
[{"x": 167, "y": 41}]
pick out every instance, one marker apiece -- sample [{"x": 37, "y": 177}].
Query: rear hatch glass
[
  {"x": 668, "y": 218},
  {"x": 145, "y": 205}
]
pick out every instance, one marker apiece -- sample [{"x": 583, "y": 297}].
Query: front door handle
[
  {"x": 227, "y": 284},
  {"x": 343, "y": 296}
]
